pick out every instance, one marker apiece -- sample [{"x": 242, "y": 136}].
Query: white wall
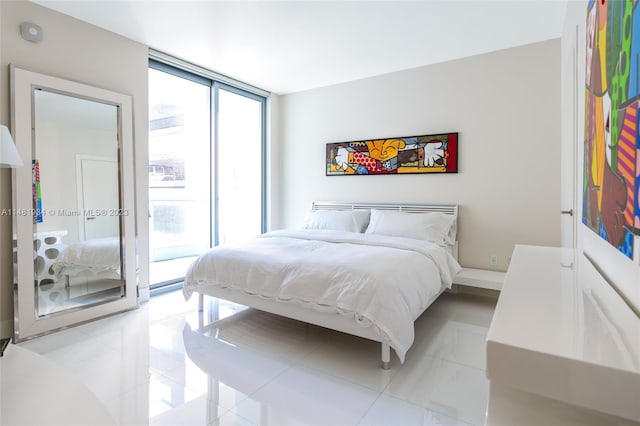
[
  {"x": 505, "y": 106},
  {"x": 78, "y": 51},
  {"x": 572, "y": 114},
  {"x": 273, "y": 161},
  {"x": 59, "y": 140}
]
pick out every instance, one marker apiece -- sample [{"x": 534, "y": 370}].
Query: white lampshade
[{"x": 8, "y": 153}]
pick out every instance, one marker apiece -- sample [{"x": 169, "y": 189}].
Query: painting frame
[{"x": 422, "y": 154}]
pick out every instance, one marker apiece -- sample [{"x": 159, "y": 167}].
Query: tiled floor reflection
[{"x": 158, "y": 366}]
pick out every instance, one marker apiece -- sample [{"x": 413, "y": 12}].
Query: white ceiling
[{"x": 286, "y": 47}]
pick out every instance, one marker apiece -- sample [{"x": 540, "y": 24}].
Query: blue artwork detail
[
  {"x": 362, "y": 170},
  {"x": 627, "y": 248},
  {"x": 603, "y": 232},
  {"x": 634, "y": 90}
]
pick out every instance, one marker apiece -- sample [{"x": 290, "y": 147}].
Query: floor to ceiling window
[
  {"x": 240, "y": 147},
  {"x": 206, "y": 168}
]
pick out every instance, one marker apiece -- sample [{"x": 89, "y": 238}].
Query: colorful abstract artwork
[
  {"x": 37, "y": 193},
  {"x": 611, "y": 190},
  {"x": 404, "y": 155}
]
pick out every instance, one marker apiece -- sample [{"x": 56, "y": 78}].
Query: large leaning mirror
[{"x": 74, "y": 245}]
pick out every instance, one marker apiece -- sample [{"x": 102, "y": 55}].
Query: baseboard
[
  {"x": 6, "y": 328},
  {"x": 143, "y": 294}
]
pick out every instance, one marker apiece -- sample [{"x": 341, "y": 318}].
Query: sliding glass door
[
  {"x": 206, "y": 168},
  {"x": 240, "y": 146}
]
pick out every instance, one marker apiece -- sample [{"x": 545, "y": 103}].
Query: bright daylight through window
[{"x": 206, "y": 171}]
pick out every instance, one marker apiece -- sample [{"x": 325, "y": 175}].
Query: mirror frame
[{"x": 27, "y": 324}]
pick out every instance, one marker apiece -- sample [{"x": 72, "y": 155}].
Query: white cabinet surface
[{"x": 561, "y": 332}]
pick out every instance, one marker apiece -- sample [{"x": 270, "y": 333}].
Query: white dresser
[
  {"x": 563, "y": 347},
  {"x": 36, "y": 391}
]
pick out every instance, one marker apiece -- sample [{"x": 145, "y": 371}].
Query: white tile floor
[{"x": 153, "y": 366}]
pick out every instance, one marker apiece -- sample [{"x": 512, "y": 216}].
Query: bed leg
[
  {"x": 67, "y": 287},
  {"x": 386, "y": 356}
]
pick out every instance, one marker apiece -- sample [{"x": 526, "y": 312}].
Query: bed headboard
[
  {"x": 409, "y": 208},
  {"x": 451, "y": 209}
]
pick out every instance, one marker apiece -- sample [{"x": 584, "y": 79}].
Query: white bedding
[
  {"x": 382, "y": 282},
  {"x": 97, "y": 256}
]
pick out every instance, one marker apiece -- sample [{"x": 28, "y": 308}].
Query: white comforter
[
  {"x": 97, "y": 256},
  {"x": 382, "y": 282}
]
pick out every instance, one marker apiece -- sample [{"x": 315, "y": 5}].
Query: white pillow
[
  {"x": 362, "y": 219},
  {"x": 435, "y": 227},
  {"x": 337, "y": 220}
]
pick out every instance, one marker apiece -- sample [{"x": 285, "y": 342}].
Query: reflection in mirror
[
  {"x": 74, "y": 221},
  {"x": 76, "y": 199}
]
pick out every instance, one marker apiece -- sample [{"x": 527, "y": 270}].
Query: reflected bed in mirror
[
  {"x": 75, "y": 248},
  {"x": 76, "y": 159},
  {"x": 85, "y": 272}
]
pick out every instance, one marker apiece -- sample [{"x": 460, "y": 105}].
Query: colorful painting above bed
[
  {"x": 611, "y": 190},
  {"x": 402, "y": 155}
]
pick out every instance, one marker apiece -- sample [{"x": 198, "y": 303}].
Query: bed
[
  {"x": 92, "y": 265},
  {"x": 96, "y": 256},
  {"x": 367, "y": 269}
]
